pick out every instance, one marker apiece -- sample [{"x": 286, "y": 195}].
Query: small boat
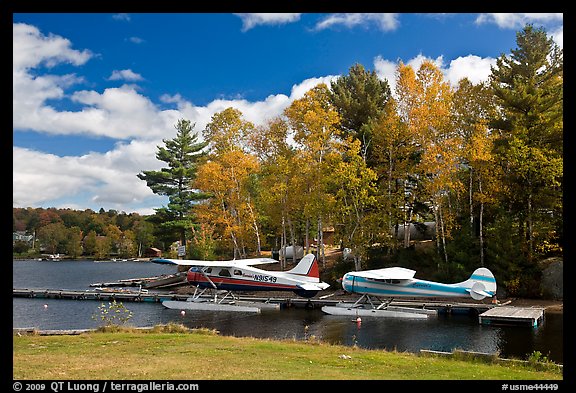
[{"x": 51, "y": 257}]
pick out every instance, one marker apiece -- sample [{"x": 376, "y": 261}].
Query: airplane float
[
  {"x": 400, "y": 282},
  {"x": 241, "y": 275}
]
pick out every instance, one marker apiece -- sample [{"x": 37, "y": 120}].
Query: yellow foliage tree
[
  {"x": 315, "y": 122},
  {"x": 226, "y": 177}
]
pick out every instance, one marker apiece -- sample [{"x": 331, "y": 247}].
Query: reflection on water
[{"x": 442, "y": 333}]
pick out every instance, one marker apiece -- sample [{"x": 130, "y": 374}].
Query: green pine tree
[
  {"x": 183, "y": 154},
  {"x": 360, "y": 97},
  {"x": 528, "y": 86}
]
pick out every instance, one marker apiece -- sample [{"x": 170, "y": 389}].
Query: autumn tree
[
  {"x": 52, "y": 237},
  {"x": 229, "y": 210},
  {"x": 142, "y": 235},
  {"x": 423, "y": 105},
  {"x": 473, "y": 107},
  {"x": 114, "y": 234},
  {"x": 182, "y": 154},
  {"x": 227, "y": 177},
  {"x": 127, "y": 244},
  {"x": 315, "y": 122},
  {"x": 279, "y": 198},
  {"x": 73, "y": 242},
  {"x": 395, "y": 155},
  {"x": 90, "y": 243},
  {"x": 354, "y": 189},
  {"x": 103, "y": 247}
]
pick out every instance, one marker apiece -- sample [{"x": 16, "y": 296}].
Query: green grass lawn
[{"x": 169, "y": 353}]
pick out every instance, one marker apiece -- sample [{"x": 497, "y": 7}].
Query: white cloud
[
  {"x": 518, "y": 20},
  {"x": 44, "y": 177},
  {"x": 553, "y": 22},
  {"x": 127, "y": 75},
  {"x": 31, "y": 49},
  {"x": 136, "y": 40},
  {"x": 385, "y": 22},
  {"x": 300, "y": 89},
  {"x": 386, "y": 70},
  {"x": 258, "y": 112},
  {"x": 30, "y": 93},
  {"x": 110, "y": 178},
  {"x": 475, "y": 68},
  {"x": 122, "y": 17},
  {"x": 119, "y": 113},
  {"x": 558, "y": 36},
  {"x": 250, "y": 20}
]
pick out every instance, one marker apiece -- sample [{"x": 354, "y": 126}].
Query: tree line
[
  {"x": 484, "y": 162},
  {"x": 77, "y": 233}
]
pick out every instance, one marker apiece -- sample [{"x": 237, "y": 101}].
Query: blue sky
[{"x": 94, "y": 94}]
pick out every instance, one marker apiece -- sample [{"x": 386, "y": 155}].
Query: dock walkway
[
  {"x": 488, "y": 313},
  {"x": 285, "y": 302},
  {"x": 512, "y": 315}
]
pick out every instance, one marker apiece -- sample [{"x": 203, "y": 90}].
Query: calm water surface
[{"x": 442, "y": 333}]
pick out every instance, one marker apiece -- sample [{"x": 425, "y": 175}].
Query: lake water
[{"x": 441, "y": 333}]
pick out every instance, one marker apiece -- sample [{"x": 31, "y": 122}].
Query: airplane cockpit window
[
  {"x": 224, "y": 273},
  {"x": 237, "y": 272}
]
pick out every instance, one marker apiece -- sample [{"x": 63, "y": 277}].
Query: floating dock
[
  {"x": 123, "y": 295},
  {"x": 284, "y": 302},
  {"x": 488, "y": 314},
  {"x": 511, "y": 315}
]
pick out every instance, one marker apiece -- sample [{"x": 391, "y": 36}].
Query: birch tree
[
  {"x": 226, "y": 177},
  {"x": 315, "y": 123}
]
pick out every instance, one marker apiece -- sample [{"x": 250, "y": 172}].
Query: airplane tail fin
[
  {"x": 481, "y": 284},
  {"x": 308, "y": 266}
]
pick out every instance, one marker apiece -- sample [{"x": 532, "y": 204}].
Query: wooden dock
[
  {"x": 125, "y": 295},
  {"x": 511, "y": 315},
  {"x": 289, "y": 301},
  {"x": 488, "y": 314}
]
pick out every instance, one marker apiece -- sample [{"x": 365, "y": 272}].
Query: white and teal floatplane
[{"x": 396, "y": 282}]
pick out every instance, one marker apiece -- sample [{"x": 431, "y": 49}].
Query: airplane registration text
[{"x": 264, "y": 278}]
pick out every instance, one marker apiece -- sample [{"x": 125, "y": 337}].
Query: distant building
[
  {"x": 20, "y": 236},
  {"x": 152, "y": 252}
]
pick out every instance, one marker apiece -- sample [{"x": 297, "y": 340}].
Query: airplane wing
[
  {"x": 230, "y": 263},
  {"x": 388, "y": 273}
]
